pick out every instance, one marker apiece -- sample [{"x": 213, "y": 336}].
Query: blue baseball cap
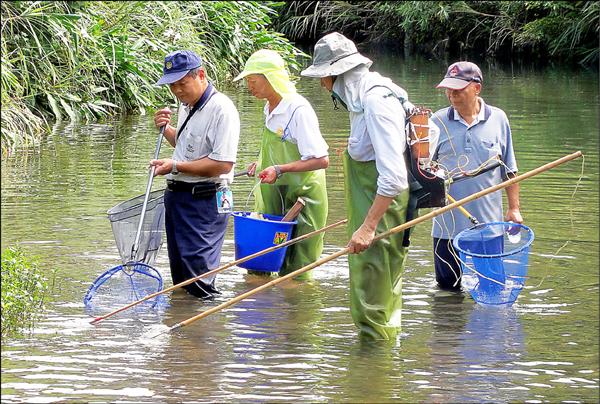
[{"x": 177, "y": 65}]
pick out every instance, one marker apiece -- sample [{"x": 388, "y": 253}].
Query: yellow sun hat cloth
[{"x": 272, "y": 66}]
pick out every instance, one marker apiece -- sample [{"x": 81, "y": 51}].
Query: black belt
[{"x": 198, "y": 189}]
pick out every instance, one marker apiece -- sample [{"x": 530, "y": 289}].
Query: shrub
[{"x": 24, "y": 289}]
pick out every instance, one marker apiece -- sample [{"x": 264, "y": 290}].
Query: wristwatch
[
  {"x": 278, "y": 171},
  {"x": 174, "y": 168}
]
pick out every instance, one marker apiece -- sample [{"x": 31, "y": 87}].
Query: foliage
[
  {"x": 84, "y": 60},
  {"x": 558, "y": 30},
  {"x": 24, "y": 289}
]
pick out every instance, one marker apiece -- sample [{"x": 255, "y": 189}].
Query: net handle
[{"x": 136, "y": 243}]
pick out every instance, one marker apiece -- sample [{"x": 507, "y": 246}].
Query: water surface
[{"x": 297, "y": 342}]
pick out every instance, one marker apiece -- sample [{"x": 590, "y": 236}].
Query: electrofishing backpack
[{"x": 427, "y": 189}]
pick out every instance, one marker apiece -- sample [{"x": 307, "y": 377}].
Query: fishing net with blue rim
[
  {"x": 494, "y": 260},
  {"x": 135, "y": 278}
]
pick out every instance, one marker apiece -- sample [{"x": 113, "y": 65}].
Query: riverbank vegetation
[
  {"x": 24, "y": 291},
  {"x": 86, "y": 60},
  {"x": 550, "y": 31}
]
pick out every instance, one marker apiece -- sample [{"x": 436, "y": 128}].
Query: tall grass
[
  {"x": 83, "y": 60},
  {"x": 562, "y": 31},
  {"x": 24, "y": 291}
]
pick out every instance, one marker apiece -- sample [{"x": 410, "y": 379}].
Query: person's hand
[
  {"x": 361, "y": 239},
  {"x": 251, "y": 169},
  {"x": 162, "y": 166},
  {"x": 162, "y": 117},
  {"x": 268, "y": 175},
  {"x": 513, "y": 215}
]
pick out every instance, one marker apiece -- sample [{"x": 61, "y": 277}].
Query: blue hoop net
[
  {"x": 494, "y": 260},
  {"x": 124, "y": 284},
  {"x": 135, "y": 278}
]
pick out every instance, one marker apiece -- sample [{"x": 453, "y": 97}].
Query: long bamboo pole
[
  {"x": 219, "y": 269},
  {"x": 393, "y": 230}
]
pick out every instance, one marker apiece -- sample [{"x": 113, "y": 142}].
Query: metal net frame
[{"x": 135, "y": 278}]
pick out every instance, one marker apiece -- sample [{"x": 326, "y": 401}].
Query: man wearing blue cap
[
  {"x": 473, "y": 135},
  {"x": 205, "y": 140}
]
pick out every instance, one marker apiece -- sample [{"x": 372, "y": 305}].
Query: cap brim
[
  {"x": 339, "y": 67},
  {"x": 171, "y": 77},
  {"x": 315, "y": 71},
  {"x": 453, "y": 84}
]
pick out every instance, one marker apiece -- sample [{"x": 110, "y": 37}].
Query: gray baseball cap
[{"x": 460, "y": 74}]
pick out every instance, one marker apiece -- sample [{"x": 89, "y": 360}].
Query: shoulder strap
[
  {"x": 286, "y": 130},
  {"x": 406, "y": 105},
  {"x": 207, "y": 95}
]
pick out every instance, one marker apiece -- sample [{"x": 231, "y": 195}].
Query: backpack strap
[{"x": 415, "y": 188}]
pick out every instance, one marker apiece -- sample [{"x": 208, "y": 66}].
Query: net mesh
[
  {"x": 494, "y": 260},
  {"x": 125, "y": 218},
  {"x": 122, "y": 285},
  {"x": 136, "y": 278}
]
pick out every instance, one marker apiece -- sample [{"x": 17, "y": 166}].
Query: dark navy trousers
[
  {"x": 447, "y": 267},
  {"x": 445, "y": 258},
  {"x": 195, "y": 234}
]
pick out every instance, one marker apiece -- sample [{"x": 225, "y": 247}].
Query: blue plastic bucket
[
  {"x": 252, "y": 235},
  {"x": 494, "y": 261}
]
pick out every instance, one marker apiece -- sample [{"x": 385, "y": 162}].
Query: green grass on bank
[{"x": 24, "y": 290}]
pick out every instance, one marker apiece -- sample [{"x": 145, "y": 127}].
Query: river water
[{"x": 296, "y": 341}]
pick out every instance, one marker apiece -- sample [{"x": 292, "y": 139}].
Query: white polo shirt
[
  {"x": 212, "y": 132},
  {"x": 295, "y": 121}
]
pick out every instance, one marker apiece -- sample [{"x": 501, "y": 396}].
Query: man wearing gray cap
[
  {"x": 376, "y": 182},
  {"x": 473, "y": 134},
  {"x": 205, "y": 140}
]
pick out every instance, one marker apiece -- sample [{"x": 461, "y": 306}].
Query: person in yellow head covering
[{"x": 293, "y": 156}]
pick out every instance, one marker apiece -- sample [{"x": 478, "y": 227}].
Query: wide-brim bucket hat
[
  {"x": 270, "y": 64},
  {"x": 334, "y": 54}
]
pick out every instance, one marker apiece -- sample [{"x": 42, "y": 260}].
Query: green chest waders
[
  {"x": 309, "y": 185},
  {"x": 376, "y": 273}
]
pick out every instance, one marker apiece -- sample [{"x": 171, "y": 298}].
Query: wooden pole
[
  {"x": 294, "y": 210},
  {"x": 393, "y": 230},
  {"x": 221, "y": 268}
]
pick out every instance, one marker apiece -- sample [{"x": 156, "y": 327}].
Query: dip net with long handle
[
  {"x": 137, "y": 225},
  {"x": 135, "y": 277}
]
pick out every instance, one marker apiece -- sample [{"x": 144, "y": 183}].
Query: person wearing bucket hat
[
  {"x": 473, "y": 135},
  {"x": 205, "y": 139},
  {"x": 292, "y": 158},
  {"x": 376, "y": 182}
]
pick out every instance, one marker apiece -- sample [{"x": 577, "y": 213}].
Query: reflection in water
[
  {"x": 368, "y": 374},
  {"x": 475, "y": 345},
  {"x": 492, "y": 340}
]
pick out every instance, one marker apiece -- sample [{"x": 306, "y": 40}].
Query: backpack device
[{"x": 428, "y": 189}]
